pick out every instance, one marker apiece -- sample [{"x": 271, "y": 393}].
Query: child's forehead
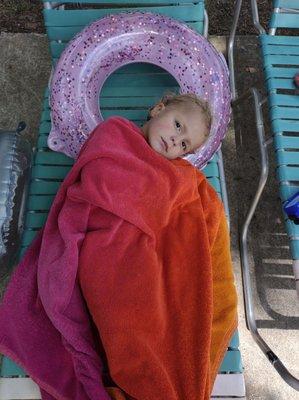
[{"x": 186, "y": 110}]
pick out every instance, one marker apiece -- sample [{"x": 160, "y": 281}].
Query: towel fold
[{"x": 145, "y": 240}]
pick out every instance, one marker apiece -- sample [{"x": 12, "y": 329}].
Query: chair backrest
[
  {"x": 284, "y": 15},
  {"x": 132, "y": 89},
  {"x": 63, "y": 22}
]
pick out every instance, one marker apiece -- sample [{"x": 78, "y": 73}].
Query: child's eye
[{"x": 178, "y": 126}]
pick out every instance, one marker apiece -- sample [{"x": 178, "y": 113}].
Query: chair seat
[
  {"x": 229, "y": 381},
  {"x": 49, "y": 170},
  {"x": 281, "y": 62}
]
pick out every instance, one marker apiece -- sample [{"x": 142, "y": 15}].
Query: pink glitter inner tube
[{"x": 119, "y": 39}]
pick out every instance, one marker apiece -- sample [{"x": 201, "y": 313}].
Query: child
[
  {"x": 177, "y": 125},
  {"x": 140, "y": 243}
]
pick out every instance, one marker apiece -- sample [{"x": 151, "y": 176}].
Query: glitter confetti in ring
[{"x": 130, "y": 37}]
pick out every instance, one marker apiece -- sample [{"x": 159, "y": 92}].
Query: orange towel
[{"x": 155, "y": 270}]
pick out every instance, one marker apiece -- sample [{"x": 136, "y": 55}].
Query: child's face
[{"x": 175, "y": 130}]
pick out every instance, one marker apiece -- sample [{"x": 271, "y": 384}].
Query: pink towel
[{"x": 44, "y": 323}]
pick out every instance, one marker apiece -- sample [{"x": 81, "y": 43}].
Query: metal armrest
[
  {"x": 256, "y": 17},
  {"x": 206, "y": 24},
  {"x": 50, "y": 6},
  {"x": 231, "y": 42}
]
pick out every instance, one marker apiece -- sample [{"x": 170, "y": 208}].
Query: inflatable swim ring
[{"x": 125, "y": 38}]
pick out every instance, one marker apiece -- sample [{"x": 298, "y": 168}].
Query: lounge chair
[
  {"x": 280, "y": 55},
  {"x": 62, "y": 21}
]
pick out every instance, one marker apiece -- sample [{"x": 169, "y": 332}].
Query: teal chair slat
[
  {"x": 52, "y": 158},
  {"x": 28, "y": 236},
  {"x": 9, "y": 368},
  {"x": 287, "y": 157},
  {"x": 35, "y": 220},
  {"x": 39, "y": 203},
  {"x": 129, "y": 2},
  {"x": 235, "y": 341},
  {"x": 281, "y": 60},
  {"x": 287, "y": 190},
  {"x": 57, "y": 48},
  {"x": 282, "y": 50},
  {"x": 127, "y": 102},
  {"x": 45, "y": 117},
  {"x": 67, "y": 33},
  {"x": 278, "y": 40},
  {"x": 21, "y": 253},
  {"x": 39, "y": 187},
  {"x": 231, "y": 362},
  {"x": 44, "y": 127},
  {"x": 130, "y": 114},
  {"x": 215, "y": 158},
  {"x": 278, "y": 83},
  {"x": 121, "y": 80},
  {"x": 275, "y": 72},
  {"x": 284, "y": 20},
  {"x": 285, "y": 173},
  {"x": 286, "y": 4},
  {"x": 294, "y": 247},
  {"x": 284, "y": 100},
  {"x": 138, "y": 122},
  {"x": 215, "y": 182},
  {"x": 292, "y": 228},
  {"x": 211, "y": 170},
  {"x": 49, "y": 172},
  {"x": 284, "y": 112},
  {"x": 80, "y": 18},
  {"x": 285, "y": 126},
  {"x": 42, "y": 141},
  {"x": 138, "y": 69},
  {"x": 286, "y": 142},
  {"x": 46, "y": 103},
  {"x": 135, "y": 91}
]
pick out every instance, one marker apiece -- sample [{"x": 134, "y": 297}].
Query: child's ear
[{"x": 157, "y": 109}]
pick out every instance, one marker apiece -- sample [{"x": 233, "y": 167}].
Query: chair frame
[{"x": 264, "y": 172}]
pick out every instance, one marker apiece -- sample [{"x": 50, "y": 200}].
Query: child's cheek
[{"x": 162, "y": 128}]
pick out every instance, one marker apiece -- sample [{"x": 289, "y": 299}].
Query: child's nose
[{"x": 174, "y": 141}]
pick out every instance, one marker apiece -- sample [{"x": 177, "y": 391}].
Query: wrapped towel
[{"x": 149, "y": 237}]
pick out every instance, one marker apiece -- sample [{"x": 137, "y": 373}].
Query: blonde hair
[{"x": 187, "y": 98}]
